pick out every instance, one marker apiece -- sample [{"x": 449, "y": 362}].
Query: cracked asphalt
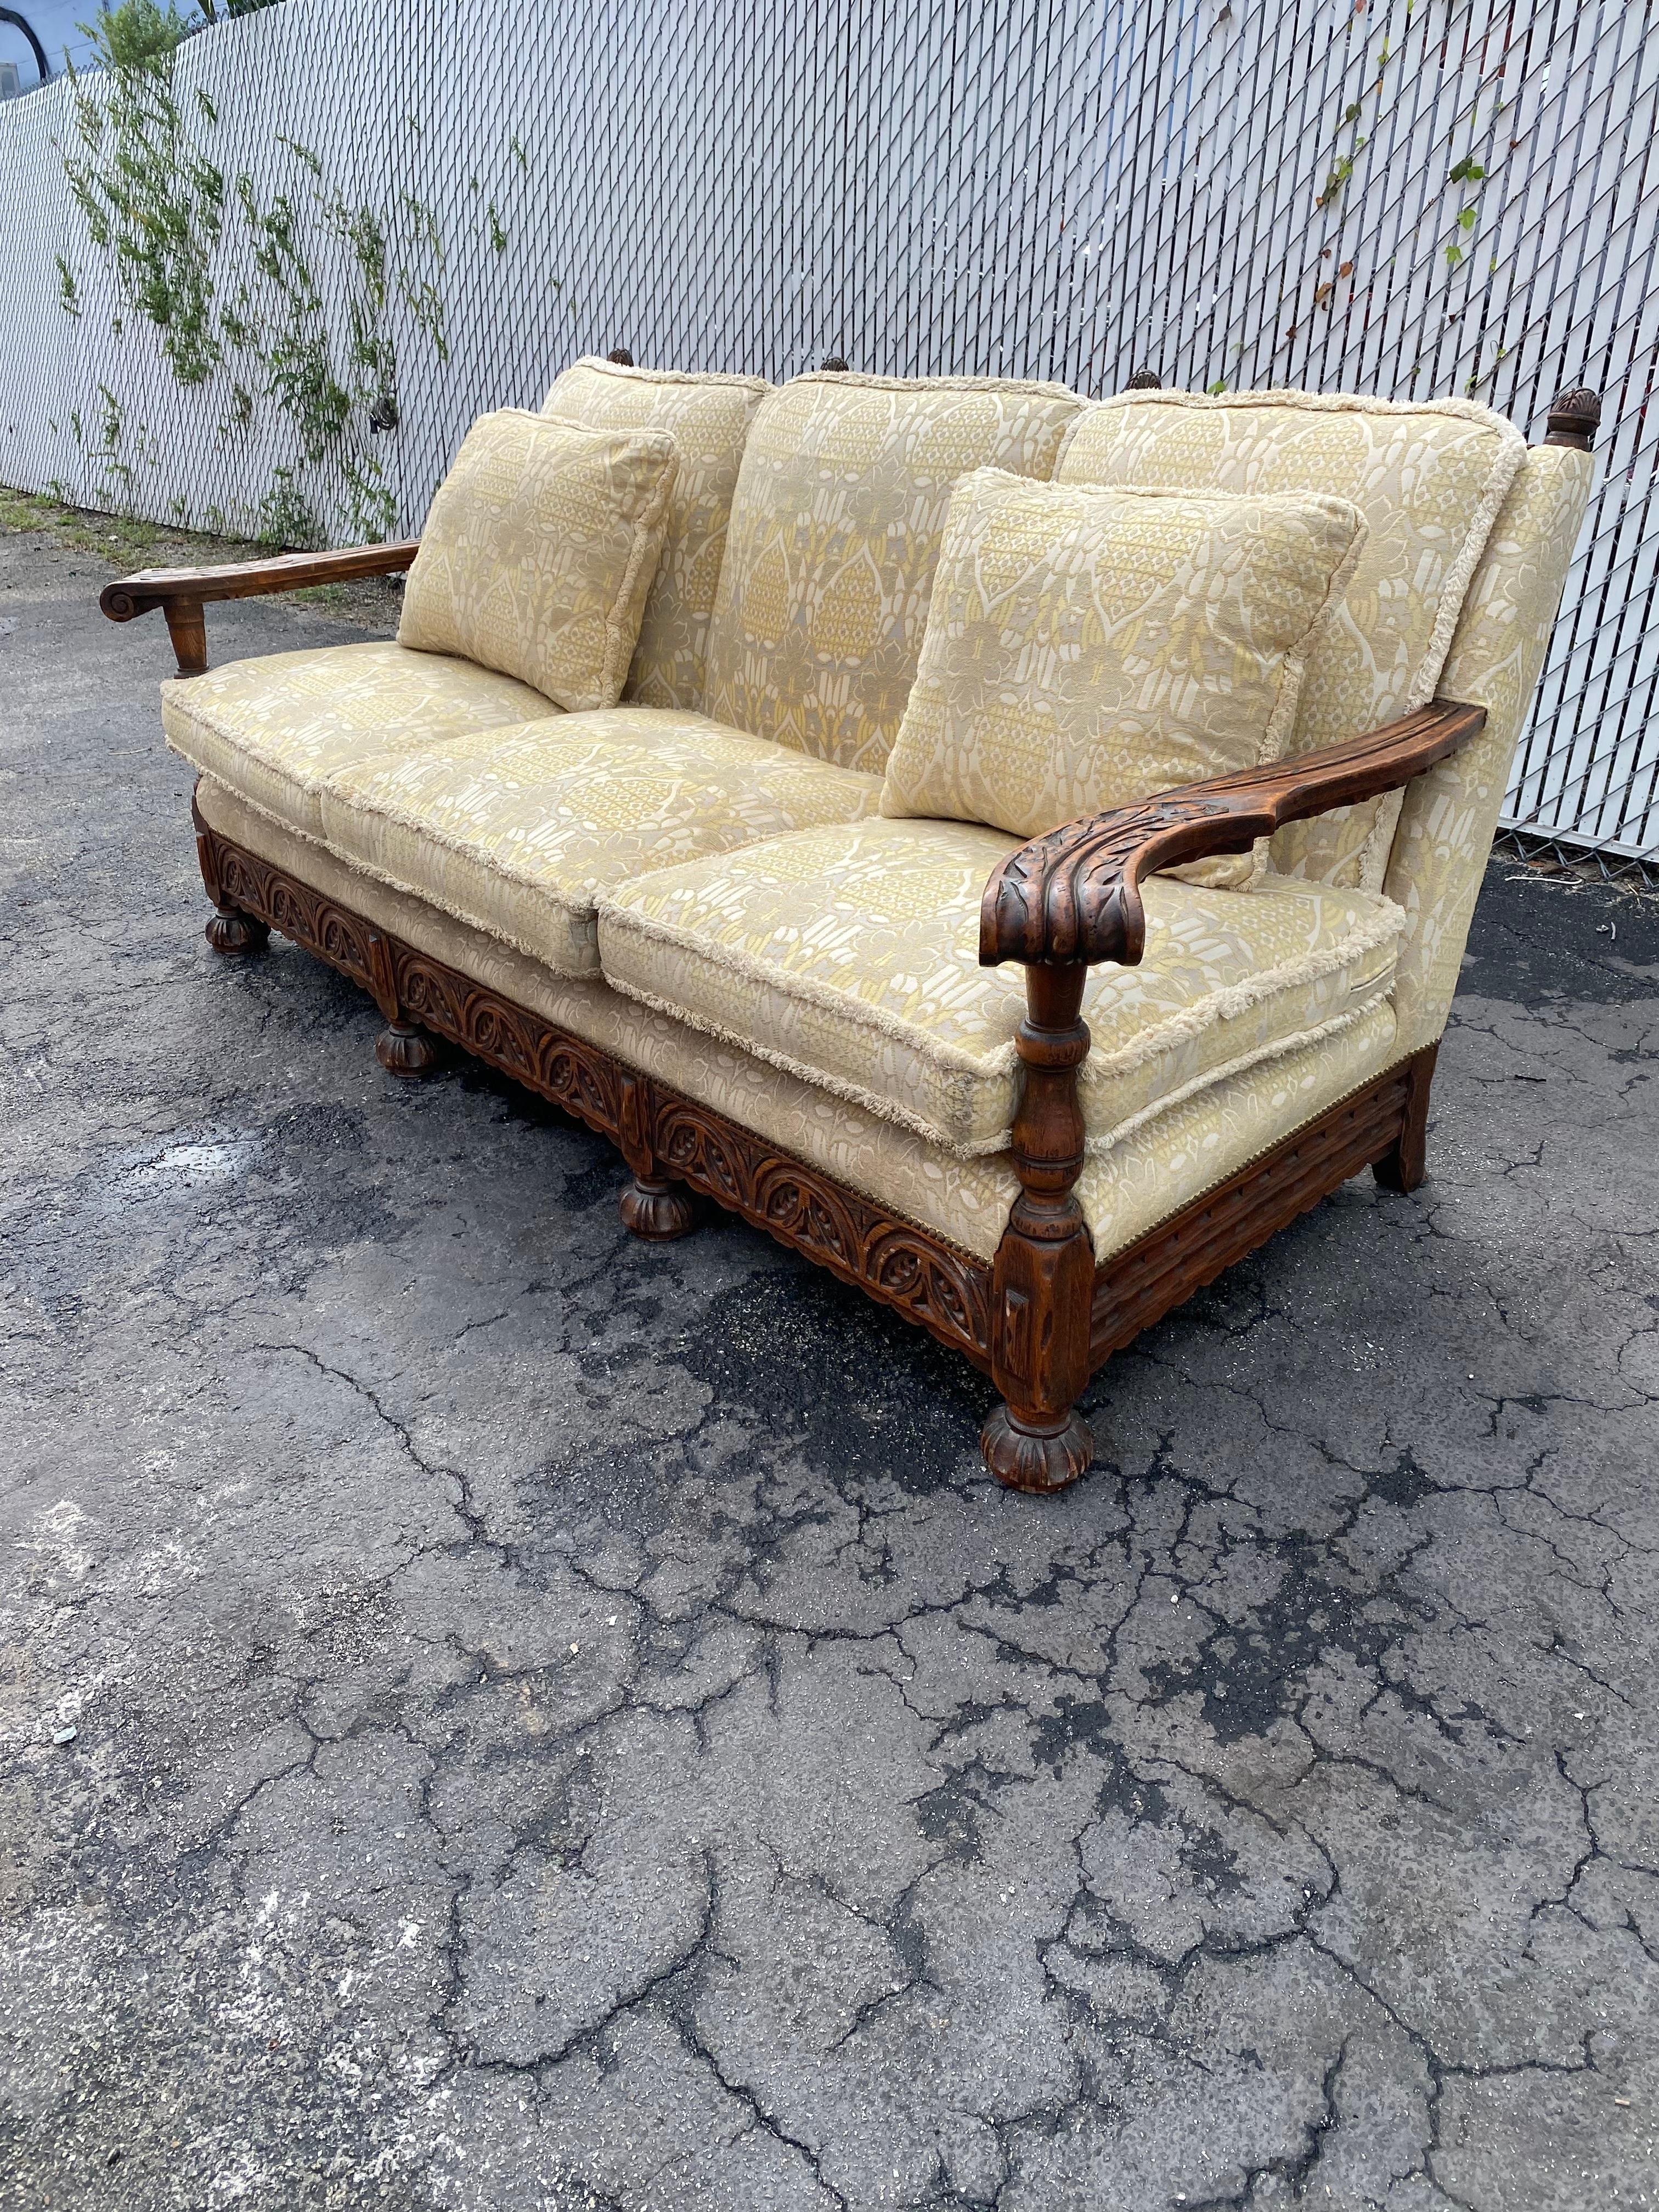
[{"x": 560, "y": 1724}]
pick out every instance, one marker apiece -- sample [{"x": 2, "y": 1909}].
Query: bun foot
[
  {"x": 232, "y": 933},
  {"x": 1037, "y": 1457},
  {"x": 658, "y": 1211},
  {"x": 403, "y": 1049}
]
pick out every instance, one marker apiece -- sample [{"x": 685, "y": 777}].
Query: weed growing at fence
[
  {"x": 151, "y": 200},
  {"x": 227, "y": 276}
]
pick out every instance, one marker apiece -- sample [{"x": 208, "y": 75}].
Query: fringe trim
[
  {"x": 1374, "y": 854},
  {"x": 955, "y": 1061},
  {"x": 577, "y": 919},
  {"x": 243, "y": 799},
  {"x": 1293, "y": 667},
  {"x": 839, "y": 1086},
  {"x": 1291, "y": 396},
  {"x": 337, "y": 789},
  {"x": 918, "y": 1125},
  {"x": 1095, "y": 1147},
  {"x": 1460, "y": 574},
  {"x": 630, "y": 372},
  {"x": 843, "y": 377},
  {"x": 647, "y": 527},
  {"x": 1226, "y": 1005}
]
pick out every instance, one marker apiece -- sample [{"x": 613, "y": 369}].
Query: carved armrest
[
  {"x": 182, "y": 593},
  {"x": 1074, "y": 895}
]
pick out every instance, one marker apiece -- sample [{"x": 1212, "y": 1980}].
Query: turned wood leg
[
  {"x": 1042, "y": 1283},
  {"x": 1404, "y": 1165},
  {"x": 652, "y": 1207},
  {"x": 187, "y": 630},
  {"x": 657, "y": 1211},
  {"x": 402, "y": 1049},
  {"x": 230, "y": 931}
]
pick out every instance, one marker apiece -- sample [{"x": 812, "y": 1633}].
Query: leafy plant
[
  {"x": 286, "y": 518},
  {"x": 372, "y": 508},
  {"x": 226, "y": 274},
  {"x": 151, "y": 201}
]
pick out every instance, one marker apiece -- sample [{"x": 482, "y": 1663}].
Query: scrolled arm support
[
  {"x": 184, "y": 593},
  {"x": 1074, "y": 895}
]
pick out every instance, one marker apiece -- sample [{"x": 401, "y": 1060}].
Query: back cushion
[
  {"x": 835, "y": 530},
  {"x": 709, "y": 417},
  {"x": 1428, "y": 476}
]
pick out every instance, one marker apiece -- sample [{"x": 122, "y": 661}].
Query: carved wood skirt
[{"x": 917, "y": 1272}]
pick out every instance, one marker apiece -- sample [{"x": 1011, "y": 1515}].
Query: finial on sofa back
[{"x": 1573, "y": 419}]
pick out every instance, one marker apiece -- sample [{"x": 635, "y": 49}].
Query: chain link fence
[{"x": 263, "y": 288}]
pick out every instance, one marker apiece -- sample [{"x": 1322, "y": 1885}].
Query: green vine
[
  {"x": 225, "y": 277},
  {"x": 152, "y": 201}
]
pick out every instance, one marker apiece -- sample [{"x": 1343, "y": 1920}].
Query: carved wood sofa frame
[{"x": 1043, "y": 1315}]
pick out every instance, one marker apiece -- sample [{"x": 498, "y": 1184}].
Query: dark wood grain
[
  {"x": 1035, "y": 1440},
  {"x": 668, "y": 1139},
  {"x": 147, "y": 589},
  {"x": 1404, "y": 1165},
  {"x": 1574, "y": 419},
  {"x": 1074, "y": 895},
  {"x": 1039, "y": 1321}
]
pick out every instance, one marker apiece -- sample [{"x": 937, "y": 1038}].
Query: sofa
[{"x": 1030, "y": 1087}]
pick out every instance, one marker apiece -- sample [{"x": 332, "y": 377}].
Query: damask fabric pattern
[
  {"x": 1449, "y": 816},
  {"x": 835, "y": 532},
  {"x": 1152, "y": 1173},
  {"x": 1429, "y": 476},
  {"x": 1086, "y": 649},
  {"x": 965, "y": 1202},
  {"x": 517, "y": 831},
  {"x": 1178, "y": 1155},
  {"x": 538, "y": 551},
  {"x": 276, "y": 729},
  {"x": 849, "y": 956},
  {"x": 709, "y": 418}
]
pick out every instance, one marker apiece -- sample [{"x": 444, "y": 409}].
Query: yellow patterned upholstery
[
  {"x": 517, "y": 831},
  {"x": 1088, "y": 647},
  {"x": 834, "y": 530},
  {"x": 1150, "y": 1173},
  {"x": 276, "y": 729},
  {"x": 849, "y": 956},
  {"x": 709, "y": 417},
  {"x": 1429, "y": 476},
  {"x": 1446, "y": 827},
  {"x": 539, "y": 550}
]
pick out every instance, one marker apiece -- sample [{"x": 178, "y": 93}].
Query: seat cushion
[
  {"x": 834, "y": 530},
  {"x": 538, "y": 551},
  {"x": 1090, "y": 647},
  {"x": 275, "y": 729},
  {"x": 709, "y": 418},
  {"x": 850, "y": 956},
  {"x": 518, "y": 831},
  {"x": 1429, "y": 476}
]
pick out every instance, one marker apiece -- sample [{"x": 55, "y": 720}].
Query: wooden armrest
[
  {"x": 247, "y": 580},
  {"x": 1074, "y": 895},
  {"x": 182, "y": 593}
]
